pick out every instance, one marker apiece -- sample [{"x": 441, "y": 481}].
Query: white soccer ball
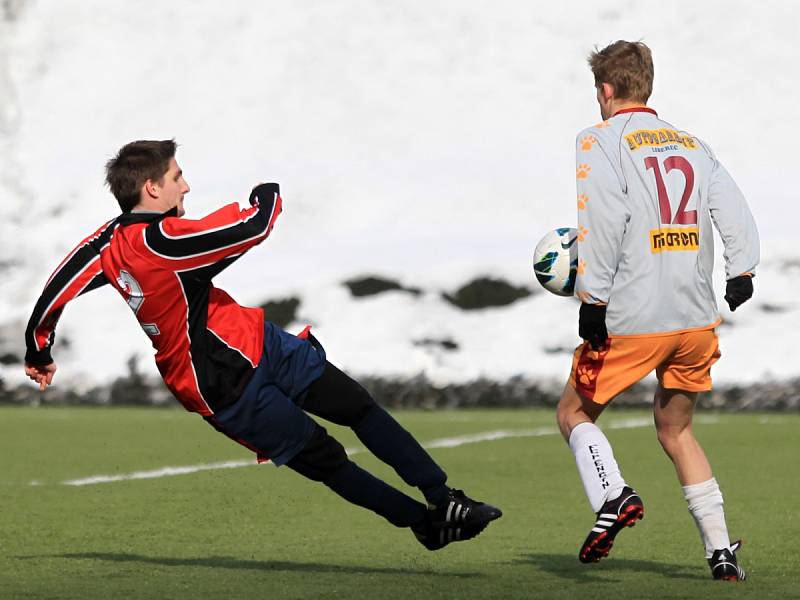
[{"x": 555, "y": 261}]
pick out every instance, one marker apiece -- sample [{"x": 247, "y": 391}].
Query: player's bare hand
[{"x": 41, "y": 374}]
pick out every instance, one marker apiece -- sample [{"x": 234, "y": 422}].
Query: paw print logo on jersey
[
  {"x": 588, "y": 143},
  {"x": 602, "y": 125},
  {"x": 582, "y": 172},
  {"x": 581, "y": 266},
  {"x": 582, "y": 233},
  {"x": 583, "y": 199}
]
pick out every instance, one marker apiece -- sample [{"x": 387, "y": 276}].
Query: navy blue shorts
[{"x": 266, "y": 417}]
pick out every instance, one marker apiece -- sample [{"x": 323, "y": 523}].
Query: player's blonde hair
[{"x": 628, "y": 66}]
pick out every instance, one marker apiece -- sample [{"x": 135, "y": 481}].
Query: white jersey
[{"x": 647, "y": 196}]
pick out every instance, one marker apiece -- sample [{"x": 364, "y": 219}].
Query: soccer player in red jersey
[{"x": 245, "y": 376}]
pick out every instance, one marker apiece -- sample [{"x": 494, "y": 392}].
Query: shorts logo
[
  {"x": 586, "y": 375},
  {"x": 587, "y": 370},
  {"x": 674, "y": 238}
]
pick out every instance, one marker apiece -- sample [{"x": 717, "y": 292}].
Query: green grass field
[{"x": 261, "y": 532}]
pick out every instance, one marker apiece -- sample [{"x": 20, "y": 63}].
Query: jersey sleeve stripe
[
  {"x": 250, "y": 227},
  {"x": 63, "y": 294},
  {"x": 206, "y": 254},
  {"x": 79, "y": 272},
  {"x": 103, "y": 235},
  {"x": 192, "y": 234}
]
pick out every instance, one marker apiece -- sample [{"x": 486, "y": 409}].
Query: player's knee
[
  {"x": 361, "y": 405},
  {"x": 570, "y": 412},
  {"x": 563, "y": 422},
  {"x": 321, "y": 458},
  {"x": 340, "y": 398}
]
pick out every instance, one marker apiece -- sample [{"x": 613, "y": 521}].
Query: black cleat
[
  {"x": 615, "y": 514},
  {"x": 435, "y": 538},
  {"x": 460, "y": 510},
  {"x": 458, "y": 519},
  {"x": 724, "y": 566}
]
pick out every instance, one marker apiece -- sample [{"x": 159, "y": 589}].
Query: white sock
[
  {"x": 596, "y": 465},
  {"x": 705, "y": 504}
]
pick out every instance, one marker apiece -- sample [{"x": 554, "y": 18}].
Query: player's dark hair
[
  {"x": 628, "y": 66},
  {"x": 133, "y": 165}
]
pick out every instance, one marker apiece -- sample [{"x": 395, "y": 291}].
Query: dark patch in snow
[
  {"x": 444, "y": 344},
  {"x": 558, "y": 350},
  {"x": 281, "y": 312},
  {"x": 486, "y": 292},
  {"x": 9, "y": 358},
  {"x": 772, "y": 308},
  {"x": 370, "y": 286},
  {"x": 791, "y": 264}
]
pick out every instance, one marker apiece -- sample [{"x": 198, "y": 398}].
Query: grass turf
[{"x": 261, "y": 532}]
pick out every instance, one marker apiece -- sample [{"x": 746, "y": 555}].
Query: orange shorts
[{"x": 682, "y": 361}]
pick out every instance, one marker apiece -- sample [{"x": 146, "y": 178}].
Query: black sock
[
  {"x": 356, "y": 485},
  {"x": 395, "y": 446}
]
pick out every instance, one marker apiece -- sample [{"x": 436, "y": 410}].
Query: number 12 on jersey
[{"x": 682, "y": 216}]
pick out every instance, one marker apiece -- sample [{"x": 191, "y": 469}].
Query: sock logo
[{"x": 594, "y": 452}]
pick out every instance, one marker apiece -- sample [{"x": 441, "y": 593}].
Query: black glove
[
  {"x": 592, "y": 324},
  {"x": 738, "y": 291},
  {"x": 263, "y": 192}
]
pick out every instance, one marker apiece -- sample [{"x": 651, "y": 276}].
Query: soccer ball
[{"x": 555, "y": 261}]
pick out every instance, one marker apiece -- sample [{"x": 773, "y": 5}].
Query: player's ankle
[{"x": 437, "y": 495}]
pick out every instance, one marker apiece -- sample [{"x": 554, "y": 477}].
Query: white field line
[{"x": 451, "y": 442}]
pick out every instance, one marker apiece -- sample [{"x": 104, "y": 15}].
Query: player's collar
[
  {"x": 145, "y": 216},
  {"x": 635, "y": 109}
]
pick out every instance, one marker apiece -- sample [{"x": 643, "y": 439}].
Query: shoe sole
[
  {"x": 451, "y": 535},
  {"x": 600, "y": 546}
]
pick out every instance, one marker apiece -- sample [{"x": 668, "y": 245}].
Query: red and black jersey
[{"x": 207, "y": 346}]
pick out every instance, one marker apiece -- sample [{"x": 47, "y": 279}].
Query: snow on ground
[{"x": 430, "y": 142}]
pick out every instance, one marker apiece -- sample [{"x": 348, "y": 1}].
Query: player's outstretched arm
[
  {"x": 41, "y": 374},
  {"x": 209, "y": 244},
  {"x": 77, "y": 274}
]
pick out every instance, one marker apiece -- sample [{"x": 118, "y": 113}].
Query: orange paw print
[
  {"x": 582, "y": 200},
  {"x": 582, "y": 233},
  {"x": 581, "y": 266},
  {"x": 588, "y": 142},
  {"x": 586, "y": 376},
  {"x": 582, "y": 172},
  {"x": 602, "y": 125}
]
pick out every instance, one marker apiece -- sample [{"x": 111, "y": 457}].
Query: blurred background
[{"x": 422, "y": 148}]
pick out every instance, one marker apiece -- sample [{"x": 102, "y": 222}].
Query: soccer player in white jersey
[{"x": 648, "y": 194}]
